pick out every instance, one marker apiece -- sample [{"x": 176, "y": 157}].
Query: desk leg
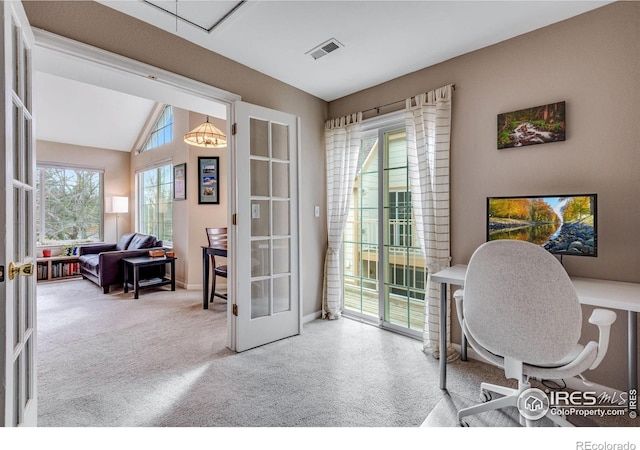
[
  {"x": 463, "y": 346},
  {"x": 205, "y": 279},
  {"x": 126, "y": 279},
  {"x": 443, "y": 335},
  {"x": 136, "y": 281},
  {"x": 173, "y": 274},
  {"x": 632, "y": 317}
]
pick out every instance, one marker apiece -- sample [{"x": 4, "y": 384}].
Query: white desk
[{"x": 591, "y": 291}]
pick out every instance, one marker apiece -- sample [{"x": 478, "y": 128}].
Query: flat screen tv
[{"x": 562, "y": 224}]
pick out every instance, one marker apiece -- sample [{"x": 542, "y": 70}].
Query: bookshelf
[{"x": 57, "y": 268}]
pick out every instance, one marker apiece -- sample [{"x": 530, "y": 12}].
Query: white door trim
[{"x": 122, "y": 66}]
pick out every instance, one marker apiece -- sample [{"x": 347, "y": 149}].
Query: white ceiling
[
  {"x": 381, "y": 40},
  {"x": 76, "y": 113}
]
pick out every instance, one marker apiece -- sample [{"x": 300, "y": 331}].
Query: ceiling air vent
[{"x": 324, "y": 48}]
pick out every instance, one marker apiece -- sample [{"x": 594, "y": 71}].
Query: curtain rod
[{"x": 377, "y": 108}]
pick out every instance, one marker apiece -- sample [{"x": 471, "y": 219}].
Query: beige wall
[
  {"x": 200, "y": 216},
  {"x": 115, "y": 165},
  {"x": 593, "y": 63},
  {"x": 189, "y": 218},
  {"x": 102, "y": 27}
]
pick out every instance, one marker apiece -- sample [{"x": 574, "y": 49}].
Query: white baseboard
[
  {"x": 311, "y": 317},
  {"x": 194, "y": 287}
]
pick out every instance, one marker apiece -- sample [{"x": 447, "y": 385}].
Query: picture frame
[
  {"x": 537, "y": 125},
  {"x": 180, "y": 181},
  {"x": 208, "y": 180}
]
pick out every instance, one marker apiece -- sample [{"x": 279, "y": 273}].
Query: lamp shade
[
  {"x": 118, "y": 205},
  {"x": 206, "y": 135}
]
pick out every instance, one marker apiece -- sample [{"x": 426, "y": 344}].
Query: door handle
[{"x": 26, "y": 270}]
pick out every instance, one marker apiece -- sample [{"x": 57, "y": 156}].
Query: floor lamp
[{"x": 118, "y": 205}]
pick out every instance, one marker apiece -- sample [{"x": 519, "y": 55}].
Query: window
[
  {"x": 68, "y": 205},
  {"x": 155, "y": 203},
  {"x": 162, "y": 131}
]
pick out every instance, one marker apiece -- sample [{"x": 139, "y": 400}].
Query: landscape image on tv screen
[{"x": 564, "y": 225}]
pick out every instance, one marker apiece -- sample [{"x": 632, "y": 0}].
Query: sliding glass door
[{"x": 384, "y": 273}]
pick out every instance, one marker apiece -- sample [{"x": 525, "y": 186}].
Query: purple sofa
[{"x": 102, "y": 263}]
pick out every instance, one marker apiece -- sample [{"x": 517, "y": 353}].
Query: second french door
[
  {"x": 384, "y": 273},
  {"x": 266, "y": 306}
]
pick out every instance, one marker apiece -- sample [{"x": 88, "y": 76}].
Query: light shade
[
  {"x": 117, "y": 205},
  {"x": 206, "y": 135}
]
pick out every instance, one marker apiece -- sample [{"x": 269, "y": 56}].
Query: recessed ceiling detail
[
  {"x": 186, "y": 12},
  {"x": 324, "y": 49}
]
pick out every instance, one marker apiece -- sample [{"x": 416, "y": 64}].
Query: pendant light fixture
[{"x": 207, "y": 136}]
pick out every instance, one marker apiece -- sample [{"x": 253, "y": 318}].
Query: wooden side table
[{"x": 147, "y": 261}]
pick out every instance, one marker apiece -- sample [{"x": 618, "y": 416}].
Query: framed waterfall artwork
[
  {"x": 208, "y": 180},
  {"x": 180, "y": 181},
  {"x": 531, "y": 126}
]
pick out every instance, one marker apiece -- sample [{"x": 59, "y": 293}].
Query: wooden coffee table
[{"x": 147, "y": 261}]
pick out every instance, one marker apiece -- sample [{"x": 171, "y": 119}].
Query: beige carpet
[{"x": 112, "y": 361}]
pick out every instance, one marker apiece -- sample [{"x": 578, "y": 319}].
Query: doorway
[
  {"x": 384, "y": 271},
  {"x": 79, "y": 64}
]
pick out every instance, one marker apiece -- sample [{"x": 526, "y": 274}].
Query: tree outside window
[
  {"x": 68, "y": 205},
  {"x": 156, "y": 203}
]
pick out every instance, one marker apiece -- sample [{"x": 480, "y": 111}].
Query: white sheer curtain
[
  {"x": 342, "y": 144},
  {"x": 428, "y": 125}
]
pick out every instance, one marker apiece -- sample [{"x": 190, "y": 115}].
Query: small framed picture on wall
[
  {"x": 208, "y": 180},
  {"x": 180, "y": 181}
]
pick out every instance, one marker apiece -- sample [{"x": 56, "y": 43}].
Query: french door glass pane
[
  {"x": 18, "y": 166},
  {"x": 281, "y": 217},
  {"x": 16, "y": 389},
  {"x": 280, "y": 141},
  {"x": 259, "y": 178},
  {"x": 28, "y": 357},
  {"x": 281, "y": 294},
  {"x": 258, "y": 135},
  {"x": 360, "y": 247},
  {"x": 260, "y": 293},
  {"x": 260, "y": 218},
  {"x": 280, "y": 179},
  {"x": 281, "y": 256},
  {"x": 260, "y": 261}
]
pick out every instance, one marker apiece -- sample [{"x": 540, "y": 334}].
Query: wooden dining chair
[{"x": 217, "y": 239}]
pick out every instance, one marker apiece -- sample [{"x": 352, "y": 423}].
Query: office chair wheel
[
  {"x": 463, "y": 424},
  {"x": 485, "y": 396}
]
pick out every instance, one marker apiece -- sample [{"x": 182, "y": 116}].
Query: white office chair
[{"x": 519, "y": 310}]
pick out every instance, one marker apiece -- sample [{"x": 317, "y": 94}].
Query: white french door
[
  {"x": 18, "y": 406},
  {"x": 265, "y": 255}
]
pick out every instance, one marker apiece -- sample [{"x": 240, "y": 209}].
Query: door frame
[{"x": 93, "y": 65}]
